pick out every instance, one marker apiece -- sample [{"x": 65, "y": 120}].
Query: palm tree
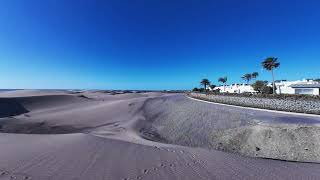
[
  {"x": 205, "y": 83},
  {"x": 269, "y": 64},
  {"x": 247, "y": 77},
  {"x": 254, "y": 75},
  {"x": 224, "y": 81}
]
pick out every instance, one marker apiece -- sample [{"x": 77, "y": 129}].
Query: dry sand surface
[{"x": 93, "y": 135}]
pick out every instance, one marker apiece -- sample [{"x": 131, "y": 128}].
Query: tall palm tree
[
  {"x": 247, "y": 77},
  {"x": 224, "y": 81},
  {"x": 269, "y": 64},
  {"x": 254, "y": 75},
  {"x": 205, "y": 83}
]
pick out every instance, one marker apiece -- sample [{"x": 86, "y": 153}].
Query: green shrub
[{"x": 195, "y": 89}]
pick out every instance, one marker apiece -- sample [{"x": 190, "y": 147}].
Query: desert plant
[
  {"x": 224, "y": 81},
  {"x": 258, "y": 86},
  {"x": 269, "y": 64},
  {"x": 262, "y": 87},
  {"x": 195, "y": 89},
  {"x": 205, "y": 83},
  {"x": 267, "y": 90}
]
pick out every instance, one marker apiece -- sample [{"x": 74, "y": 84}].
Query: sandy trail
[{"x": 108, "y": 140}]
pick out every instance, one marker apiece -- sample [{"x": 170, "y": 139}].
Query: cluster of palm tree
[
  {"x": 269, "y": 64},
  {"x": 249, "y": 76},
  {"x": 205, "y": 83}
]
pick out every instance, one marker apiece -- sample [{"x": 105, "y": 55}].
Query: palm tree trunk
[{"x": 273, "y": 85}]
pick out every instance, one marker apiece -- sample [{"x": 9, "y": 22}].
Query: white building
[
  {"x": 289, "y": 87},
  {"x": 311, "y": 89},
  {"x": 235, "y": 88},
  {"x": 305, "y": 86}
]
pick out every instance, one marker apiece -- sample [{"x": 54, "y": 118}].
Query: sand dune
[
  {"x": 96, "y": 135},
  {"x": 26, "y": 93}
]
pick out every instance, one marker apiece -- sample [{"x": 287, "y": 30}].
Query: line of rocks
[{"x": 289, "y": 105}]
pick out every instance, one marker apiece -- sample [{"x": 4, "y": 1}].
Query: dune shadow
[
  {"x": 12, "y": 125},
  {"x": 11, "y": 107}
]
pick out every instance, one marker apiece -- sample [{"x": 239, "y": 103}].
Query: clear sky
[{"x": 154, "y": 44}]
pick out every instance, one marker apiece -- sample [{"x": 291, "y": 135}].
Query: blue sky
[{"x": 158, "y": 44}]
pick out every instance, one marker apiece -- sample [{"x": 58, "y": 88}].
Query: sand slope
[{"x": 100, "y": 136}]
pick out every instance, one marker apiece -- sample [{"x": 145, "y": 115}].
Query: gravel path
[{"x": 310, "y": 106}]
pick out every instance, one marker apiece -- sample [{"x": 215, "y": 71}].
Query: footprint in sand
[
  {"x": 153, "y": 169},
  {"x": 145, "y": 171},
  {"x": 16, "y": 176},
  {"x": 3, "y": 173},
  {"x": 169, "y": 150},
  {"x": 116, "y": 125},
  {"x": 162, "y": 165}
]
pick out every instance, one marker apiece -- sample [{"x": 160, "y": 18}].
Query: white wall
[
  {"x": 285, "y": 90},
  {"x": 283, "y": 86},
  {"x": 310, "y": 91}
]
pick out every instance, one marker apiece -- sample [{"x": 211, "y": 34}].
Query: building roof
[{"x": 305, "y": 86}]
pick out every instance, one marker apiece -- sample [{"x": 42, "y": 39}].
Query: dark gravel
[{"x": 311, "y": 106}]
